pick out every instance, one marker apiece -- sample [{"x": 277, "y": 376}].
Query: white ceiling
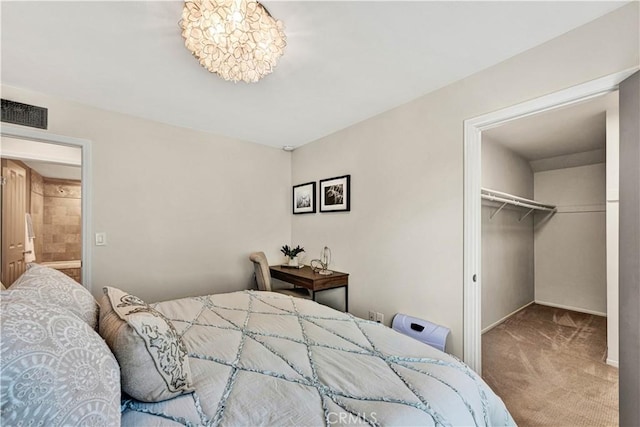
[
  {"x": 560, "y": 132},
  {"x": 345, "y": 61},
  {"x": 53, "y": 170},
  {"x": 49, "y": 160}
]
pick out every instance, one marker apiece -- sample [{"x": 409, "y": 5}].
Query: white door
[{"x": 14, "y": 203}]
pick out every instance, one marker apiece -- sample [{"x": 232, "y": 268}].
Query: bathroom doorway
[{"x": 42, "y": 207}]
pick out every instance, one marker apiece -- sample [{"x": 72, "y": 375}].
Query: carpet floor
[{"x": 548, "y": 366}]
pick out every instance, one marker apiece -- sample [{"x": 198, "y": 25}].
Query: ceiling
[
  {"x": 53, "y": 170},
  {"x": 48, "y": 159},
  {"x": 344, "y": 61},
  {"x": 574, "y": 129}
]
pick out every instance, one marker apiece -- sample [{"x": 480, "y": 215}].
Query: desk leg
[
  {"x": 346, "y": 299},
  {"x": 313, "y": 295}
]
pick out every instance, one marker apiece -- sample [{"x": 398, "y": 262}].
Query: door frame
[
  {"x": 86, "y": 184},
  {"x": 473, "y": 128}
]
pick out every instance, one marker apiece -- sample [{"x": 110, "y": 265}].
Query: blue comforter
[{"x": 260, "y": 358}]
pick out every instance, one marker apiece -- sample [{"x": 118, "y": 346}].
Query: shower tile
[
  {"x": 75, "y": 211},
  {"x": 55, "y": 247},
  {"x": 71, "y": 238},
  {"x": 72, "y": 229}
]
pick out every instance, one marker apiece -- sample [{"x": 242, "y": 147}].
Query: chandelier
[{"x": 236, "y": 39}]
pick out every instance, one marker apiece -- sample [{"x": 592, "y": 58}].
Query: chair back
[{"x": 261, "y": 267}]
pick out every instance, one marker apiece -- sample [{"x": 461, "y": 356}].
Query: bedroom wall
[
  {"x": 570, "y": 247},
  {"x": 182, "y": 209},
  {"x": 402, "y": 242},
  {"x": 629, "y": 249},
  {"x": 507, "y": 244}
]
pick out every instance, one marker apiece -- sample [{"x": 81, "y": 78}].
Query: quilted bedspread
[{"x": 261, "y": 358}]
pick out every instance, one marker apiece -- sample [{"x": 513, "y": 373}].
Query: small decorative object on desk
[
  {"x": 292, "y": 253},
  {"x": 321, "y": 265}
]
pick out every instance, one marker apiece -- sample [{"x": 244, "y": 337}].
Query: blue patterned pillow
[
  {"x": 56, "y": 370},
  {"x": 54, "y": 287}
]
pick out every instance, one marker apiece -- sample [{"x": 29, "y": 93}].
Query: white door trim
[
  {"x": 472, "y": 344},
  {"x": 36, "y": 135}
]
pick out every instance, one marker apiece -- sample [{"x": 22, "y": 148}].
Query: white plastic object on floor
[{"x": 422, "y": 330}]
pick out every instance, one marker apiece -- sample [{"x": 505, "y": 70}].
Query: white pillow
[{"x": 152, "y": 357}]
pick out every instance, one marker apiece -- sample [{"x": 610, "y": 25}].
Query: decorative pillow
[
  {"x": 56, "y": 370},
  {"x": 52, "y": 286},
  {"x": 152, "y": 357}
]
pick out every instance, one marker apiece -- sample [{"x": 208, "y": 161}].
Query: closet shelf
[{"x": 510, "y": 199}]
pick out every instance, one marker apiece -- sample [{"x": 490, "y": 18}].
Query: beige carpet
[{"x": 548, "y": 366}]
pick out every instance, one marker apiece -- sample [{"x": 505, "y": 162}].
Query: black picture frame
[
  {"x": 304, "y": 198},
  {"x": 335, "y": 194}
]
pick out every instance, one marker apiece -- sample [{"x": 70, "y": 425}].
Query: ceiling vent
[{"x": 24, "y": 114}]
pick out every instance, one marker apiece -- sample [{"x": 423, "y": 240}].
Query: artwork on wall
[
  {"x": 304, "y": 198},
  {"x": 335, "y": 194}
]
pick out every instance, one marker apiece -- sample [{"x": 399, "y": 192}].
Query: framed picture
[
  {"x": 304, "y": 198},
  {"x": 335, "y": 194}
]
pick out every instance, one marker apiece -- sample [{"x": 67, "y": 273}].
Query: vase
[{"x": 293, "y": 261}]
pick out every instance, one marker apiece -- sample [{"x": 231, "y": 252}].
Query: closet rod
[{"x": 498, "y": 196}]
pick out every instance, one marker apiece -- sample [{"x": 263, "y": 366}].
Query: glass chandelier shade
[{"x": 236, "y": 39}]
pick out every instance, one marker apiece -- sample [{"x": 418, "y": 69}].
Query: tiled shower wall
[{"x": 62, "y": 220}]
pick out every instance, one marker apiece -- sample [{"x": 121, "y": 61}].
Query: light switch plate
[{"x": 101, "y": 239}]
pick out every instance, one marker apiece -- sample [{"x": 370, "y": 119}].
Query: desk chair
[{"x": 263, "y": 278}]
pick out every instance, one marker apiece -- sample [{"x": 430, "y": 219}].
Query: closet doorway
[
  {"x": 548, "y": 280},
  {"x": 55, "y": 183},
  {"x": 553, "y": 248},
  {"x": 473, "y": 129}
]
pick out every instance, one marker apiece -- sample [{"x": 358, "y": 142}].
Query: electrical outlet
[
  {"x": 372, "y": 316},
  {"x": 379, "y": 317}
]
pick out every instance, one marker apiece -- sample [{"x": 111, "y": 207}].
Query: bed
[
  {"x": 246, "y": 358},
  {"x": 261, "y": 358}
]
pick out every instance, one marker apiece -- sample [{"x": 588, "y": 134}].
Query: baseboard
[
  {"x": 494, "y": 324},
  {"x": 568, "y": 307},
  {"x": 613, "y": 363}
]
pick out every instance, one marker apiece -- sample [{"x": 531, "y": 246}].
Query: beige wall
[
  {"x": 503, "y": 170},
  {"x": 570, "y": 248},
  {"x": 629, "y": 249},
  {"x": 182, "y": 209},
  {"x": 507, "y": 243},
  {"x": 402, "y": 241}
]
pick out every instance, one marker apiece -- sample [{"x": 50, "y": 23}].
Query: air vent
[{"x": 24, "y": 114}]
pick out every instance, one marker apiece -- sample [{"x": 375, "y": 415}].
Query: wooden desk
[{"x": 307, "y": 278}]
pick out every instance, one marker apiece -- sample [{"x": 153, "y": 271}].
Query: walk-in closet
[{"x": 549, "y": 263}]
